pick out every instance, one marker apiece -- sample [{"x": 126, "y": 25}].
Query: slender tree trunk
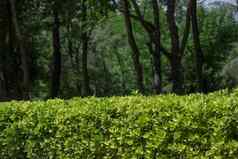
[
  {"x": 134, "y": 47},
  {"x": 13, "y": 81},
  {"x": 198, "y": 49},
  {"x": 3, "y": 86},
  {"x": 70, "y": 44},
  {"x": 186, "y": 29},
  {"x": 157, "y": 53},
  {"x": 23, "y": 53},
  {"x": 56, "y": 70},
  {"x": 176, "y": 66},
  {"x": 86, "y": 88},
  {"x": 85, "y": 42},
  {"x": 3, "y": 48},
  {"x": 78, "y": 68},
  {"x": 123, "y": 76},
  {"x": 107, "y": 79}
]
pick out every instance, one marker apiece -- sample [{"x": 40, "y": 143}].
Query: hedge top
[{"x": 168, "y": 126}]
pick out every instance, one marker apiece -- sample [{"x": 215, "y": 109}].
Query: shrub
[{"x": 169, "y": 126}]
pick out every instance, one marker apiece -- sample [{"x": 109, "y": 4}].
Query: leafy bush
[{"x": 194, "y": 126}]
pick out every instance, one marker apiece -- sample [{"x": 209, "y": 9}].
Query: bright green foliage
[{"x": 169, "y": 126}]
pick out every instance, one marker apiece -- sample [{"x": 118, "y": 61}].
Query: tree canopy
[{"x": 63, "y": 49}]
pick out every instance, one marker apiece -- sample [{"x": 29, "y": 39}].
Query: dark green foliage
[{"x": 194, "y": 126}]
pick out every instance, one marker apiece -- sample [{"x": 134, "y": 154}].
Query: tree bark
[
  {"x": 187, "y": 28},
  {"x": 3, "y": 48},
  {"x": 134, "y": 47},
  {"x": 176, "y": 66},
  {"x": 85, "y": 42},
  {"x": 23, "y": 53},
  {"x": 86, "y": 87},
  {"x": 13, "y": 75},
  {"x": 157, "y": 52},
  {"x": 56, "y": 70},
  {"x": 3, "y": 83},
  {"x": 70, "y": 43},
  {"x": 198, "y": 49}
]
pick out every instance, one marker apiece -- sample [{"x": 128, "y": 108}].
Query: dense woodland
[{"x": 71, "y": 48}]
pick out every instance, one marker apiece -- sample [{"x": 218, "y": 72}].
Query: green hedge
[{"x": 137, "y": 127}]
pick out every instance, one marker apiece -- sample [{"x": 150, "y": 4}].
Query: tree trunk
[
  {"x": 186, "y": 29},
  {"x": 70, "y": 44},
  {"x": 154, "y": 34},
  {"x": 56, "y": 70},
  {"x": 198, "y": 49},
  {"x": 86, "y": 87},
  {"x": 153, "y": 31},
  {"x": 3, "y": 48},
  {"x": 85, "y": 42},
  {"x": 157, "y": 53},
  {"x": 23, "y": 53},
  {"x": 135, "y": 51},
  {"x": 123, "y": 76},
  {"x": 176, "y": 66},
  {"x": 3, "y": 83},
  {"x": 12, "y": 71}
]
